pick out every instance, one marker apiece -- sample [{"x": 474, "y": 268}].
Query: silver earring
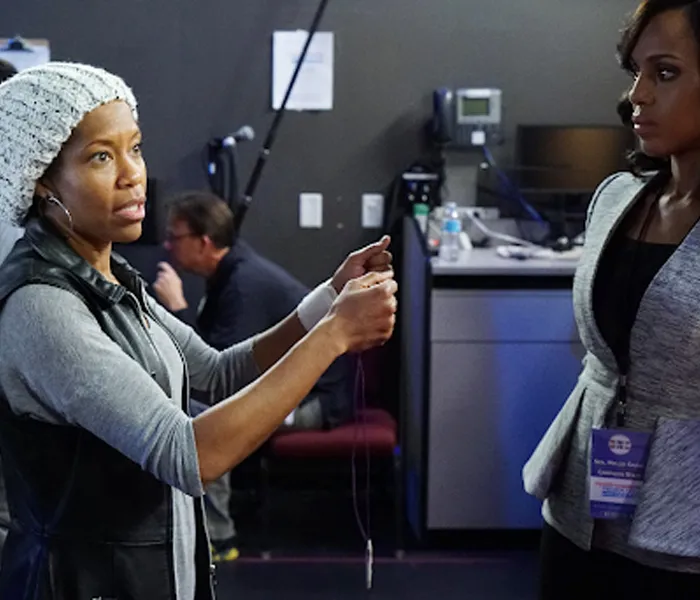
[{"x": 53, "y": 200}]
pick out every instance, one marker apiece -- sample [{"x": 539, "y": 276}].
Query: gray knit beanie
[{"x": 39, "y": 109}]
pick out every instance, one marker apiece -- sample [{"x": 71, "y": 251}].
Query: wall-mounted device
[
  {"x": 467, "y": 117},
  {"x": 420, "y": 187}
]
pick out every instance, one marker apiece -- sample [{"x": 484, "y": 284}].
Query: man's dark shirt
[{"x": 249, "y": 294}]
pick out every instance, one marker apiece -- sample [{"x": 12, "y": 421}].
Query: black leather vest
[{"x": 87, "y": 522}]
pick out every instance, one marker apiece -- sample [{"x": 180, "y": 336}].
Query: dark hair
[
  {"x": 632, "y": 31},
  {"x": 205, "y": 214},
  {"x": 7, "y": 70}
]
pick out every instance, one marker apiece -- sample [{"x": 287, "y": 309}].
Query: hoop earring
[{"x": 53, "y": 200}]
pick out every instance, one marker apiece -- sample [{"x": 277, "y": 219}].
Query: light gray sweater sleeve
[
  {"x": 57, "y": 365},
  {"x": 221, "y": 374}
]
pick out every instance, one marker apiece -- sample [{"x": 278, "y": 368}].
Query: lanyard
[{"x": 624, "y": 363}]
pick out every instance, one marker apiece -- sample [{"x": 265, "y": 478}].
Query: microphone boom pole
[{"x": 244, "y": 204}]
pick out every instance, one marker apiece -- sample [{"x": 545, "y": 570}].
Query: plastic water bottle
[{"x": 451, "y": 230}]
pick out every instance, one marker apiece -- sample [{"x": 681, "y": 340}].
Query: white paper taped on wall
[
  {"x": 313, "y": 89},
  {"x": 24, "y": 53}
]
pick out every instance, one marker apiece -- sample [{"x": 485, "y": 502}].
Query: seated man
[{"x": 245, "y": 294}]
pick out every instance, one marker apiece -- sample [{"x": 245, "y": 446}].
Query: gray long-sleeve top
[{"x": 58, "y": 366}]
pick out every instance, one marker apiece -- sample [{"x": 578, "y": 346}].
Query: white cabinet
[{"x": 502, "y": 363}]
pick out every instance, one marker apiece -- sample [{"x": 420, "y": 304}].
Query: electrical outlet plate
[
  {"x": 372, "y": 211},
  {"x": 311, "y": 210}
]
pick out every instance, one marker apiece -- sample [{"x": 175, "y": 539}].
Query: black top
[
  {"x": 626, "y": 270},
  {"x": 246, "y": 295}
]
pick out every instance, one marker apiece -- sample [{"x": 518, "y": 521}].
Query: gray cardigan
[{"x": 663, "y": 398}]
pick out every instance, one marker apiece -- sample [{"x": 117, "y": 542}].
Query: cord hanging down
[{"x": 365, "y": 528}]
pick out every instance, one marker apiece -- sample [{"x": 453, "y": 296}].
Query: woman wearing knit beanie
[{"x": 105, "y": 469}]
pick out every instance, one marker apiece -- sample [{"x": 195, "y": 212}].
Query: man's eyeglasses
[{"x": 174, "y": 237}]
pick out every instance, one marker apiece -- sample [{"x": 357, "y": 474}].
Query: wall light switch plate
[
  {"x": 310, "y": 210},
  {"x": 372, "y": 211}
]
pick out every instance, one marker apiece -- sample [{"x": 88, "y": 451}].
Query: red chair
[{"x": 374, "y": 430}]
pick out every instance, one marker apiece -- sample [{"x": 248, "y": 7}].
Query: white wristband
[{"x": 316, "y": 304}]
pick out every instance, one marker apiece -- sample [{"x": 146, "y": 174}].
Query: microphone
[{"x": 244, "y": 134}]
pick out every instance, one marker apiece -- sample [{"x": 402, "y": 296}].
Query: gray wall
[{"x": 202, "y": 69}]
